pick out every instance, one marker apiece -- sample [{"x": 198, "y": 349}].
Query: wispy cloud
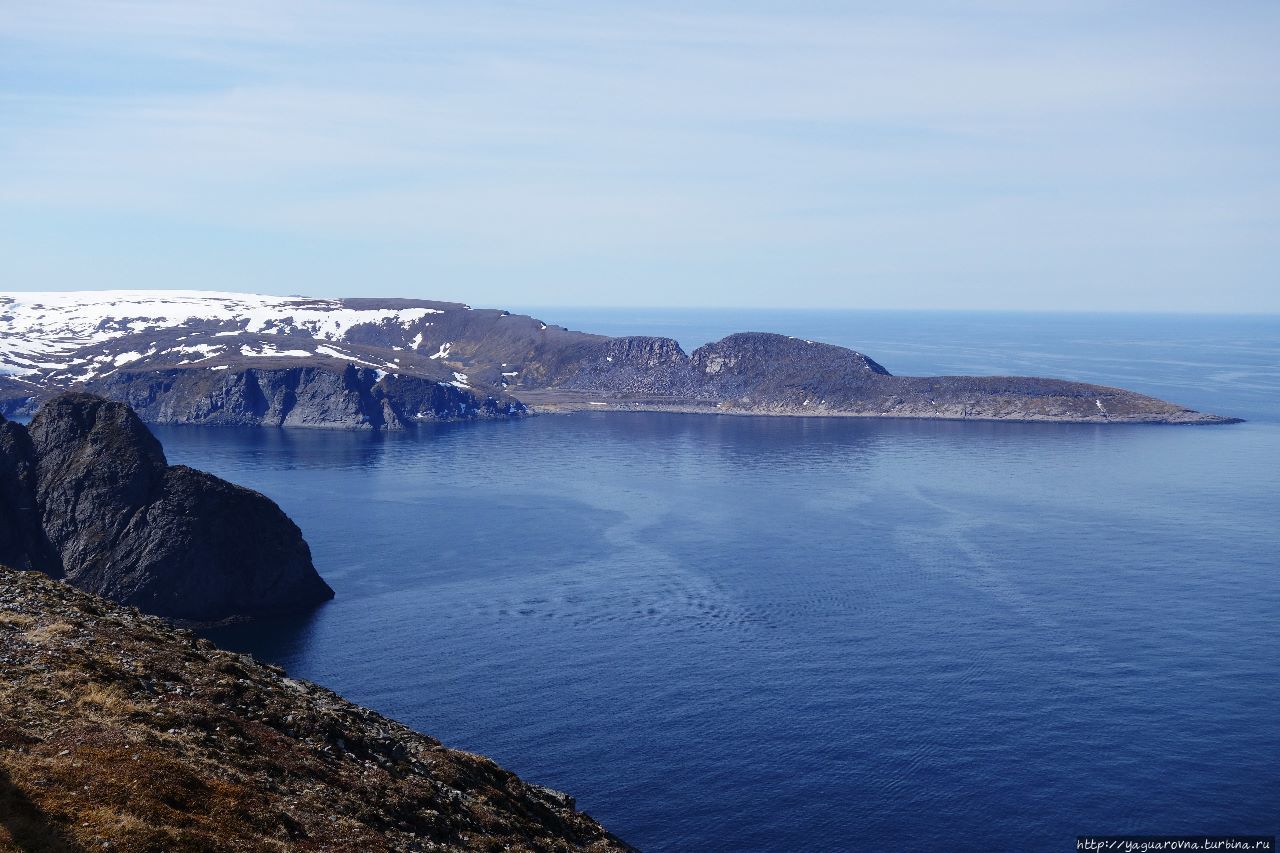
[{"x": 979, "y": 153}]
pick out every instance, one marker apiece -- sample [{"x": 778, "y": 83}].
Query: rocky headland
[
  {"x": 120, "y": 732},
  {"x": 86, "y": 495},
  {"x": 758, "y": 373},
  {"x": 385, "y": 364}
]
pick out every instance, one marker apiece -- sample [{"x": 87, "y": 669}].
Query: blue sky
[{"x": 1073, "y": 155}]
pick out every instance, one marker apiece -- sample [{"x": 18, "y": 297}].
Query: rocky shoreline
[{"x": 1191, "y": 418}]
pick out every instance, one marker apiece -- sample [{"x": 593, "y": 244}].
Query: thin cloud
[{"x": 997, "y": 143}]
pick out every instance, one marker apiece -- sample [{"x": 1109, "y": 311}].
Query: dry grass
[
  {"x": 16, "y": 621},
  {"x": 107, "y": 700},
  {"x": 44, "y": 634}
]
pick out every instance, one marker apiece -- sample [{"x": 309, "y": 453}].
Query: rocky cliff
[
  {"x": 87, "y": 495},
  {"x": 751, "y": 366},
  {"x": 188, "y": 357},
  {"x": 119, "y": 732},
  {"x": 343, "y": 397}
]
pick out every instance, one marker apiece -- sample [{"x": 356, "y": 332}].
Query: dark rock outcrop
[
  {"x": 120, "y": 732},
  {"x": 634, "y": 366},
  {"x": 88, "y": 496},
  {"x": 23, "y": 543},
  {"x": 748, "y": 365}
]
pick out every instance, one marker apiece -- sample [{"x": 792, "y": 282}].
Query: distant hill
[{"x": 229, "y": 358}]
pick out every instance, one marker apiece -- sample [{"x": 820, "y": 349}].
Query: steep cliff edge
[
  {"x": 119, "y": 732},
  {"x": 87, "y": 495},
  {"x": 321, "y": 395}
]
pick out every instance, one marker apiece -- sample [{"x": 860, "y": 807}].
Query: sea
[{"x": 728, "y": 633}]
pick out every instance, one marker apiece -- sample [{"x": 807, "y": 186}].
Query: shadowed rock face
[
  {"x": 87, "y": 495},
  {"x": 23, "y": 543},
  {"x": 315, "y": 396}
]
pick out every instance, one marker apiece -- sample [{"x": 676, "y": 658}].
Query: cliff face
[
  {"x": 752, "y": 365},
  {"x": 119, "y": 732},
  {"x": 318, "y": 396},
  {"x": 87, "y": 495}
]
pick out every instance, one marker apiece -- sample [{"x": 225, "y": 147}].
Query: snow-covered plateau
[{"x": 72, "y": 335}]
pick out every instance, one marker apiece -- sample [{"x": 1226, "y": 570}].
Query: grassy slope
[{"x": 118, "y": 731}]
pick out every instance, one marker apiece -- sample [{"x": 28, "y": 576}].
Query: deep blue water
[{"x": 740, "y": 633}]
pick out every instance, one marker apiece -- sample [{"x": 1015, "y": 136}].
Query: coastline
[{"x": 552, "y": 403}]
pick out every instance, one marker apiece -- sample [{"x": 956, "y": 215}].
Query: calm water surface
[{"x": 732, "y": 633}]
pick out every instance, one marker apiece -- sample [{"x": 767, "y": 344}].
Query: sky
[{"x": 1066, "y": 155}]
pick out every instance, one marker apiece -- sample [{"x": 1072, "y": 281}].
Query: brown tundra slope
[{"x": 120, "y": 732}]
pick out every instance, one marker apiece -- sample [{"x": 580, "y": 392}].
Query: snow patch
[
  {"x": 39, "y": 329},
  {"x": 269, "y": 351},
  {"x": 205, "y": 351}
]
